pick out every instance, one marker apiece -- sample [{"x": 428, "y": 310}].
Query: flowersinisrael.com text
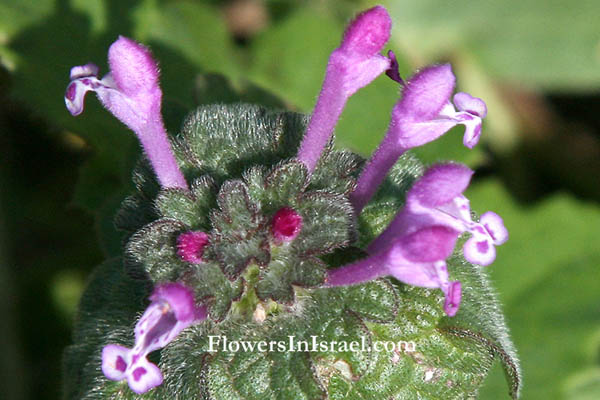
[{"x": 314, "y": 344}]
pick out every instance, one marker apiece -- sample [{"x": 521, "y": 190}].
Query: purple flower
[
  {"x": 286, "y": 225},
  {"x": 351, "y": 66},
  {"x": 190, "y": 246},
  {"x": 423, "y": 114},
  {"x": 131, "y": 92},
  {"x": 171, "y": 311},
  {"x": 437, "y": 199},
  {"x": 417, "y": 258},
  {"x": 414, "y": 247}
]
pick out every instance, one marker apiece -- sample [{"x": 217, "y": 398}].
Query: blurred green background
[{"x": 535, "y": 62}]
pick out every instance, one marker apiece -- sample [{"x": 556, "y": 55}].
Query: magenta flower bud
[
  {"x": 286, "y": 225},
  {"x": 437, "y": 199},
  {"x": 353, "y": 65},
  {"x": 423, "y": 114},
  {"x": 172, "y": 310},
  {"x": 190, "y": 246},
  {"x": 130, "y": 91}
]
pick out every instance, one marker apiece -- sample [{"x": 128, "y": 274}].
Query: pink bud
[
  {"x": 190, "y": 246},
  {"x": 286, "y": 224}
]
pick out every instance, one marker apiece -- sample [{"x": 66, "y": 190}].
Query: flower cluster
[{"x": 412, "y": 249}]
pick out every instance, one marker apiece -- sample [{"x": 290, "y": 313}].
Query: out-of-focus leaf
[
  {"x": 16, "y": 14},
  {"x": 367, "y": 115},
  {"x": 450, "y": 147},
  {"x": 290, "y": 58},
  {"x": 543, "y": 238},
  {"x": 584, "y": 385},
  {"x": 193, "y": 29},
  {"x": 96, "y": 10},
  {"x": 547, "y": 276},
  {"x": 216, "y": 88},
  {"x": 546, "y": 43}
]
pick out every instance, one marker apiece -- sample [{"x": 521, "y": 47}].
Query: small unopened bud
[
  {"x": 286, "y": 224},
  {"x": 190, "y": 246}
]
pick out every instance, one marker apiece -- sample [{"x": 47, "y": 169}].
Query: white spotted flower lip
[
  {"x": 171, "y": 311},
  {"x": 488, "y": 233}
]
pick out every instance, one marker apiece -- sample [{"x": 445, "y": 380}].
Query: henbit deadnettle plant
[{"x": 257, "y": 229}]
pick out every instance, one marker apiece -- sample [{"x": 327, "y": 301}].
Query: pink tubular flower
[
  {"x": 171, "y": 311},
  {"x": 423, "y": 114},
  {"x": 414, "y": 247},
  {"x": 130, "y": 91},
  {"x": 417, "y": 259},
  {"x": 351, "y": 66},
  {"x": 437, "y": 199}
]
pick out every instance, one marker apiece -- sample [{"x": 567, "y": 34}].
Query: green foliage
[
  {"x": 259, "y": 289},
  {"x": 287, "y": 269},
  {"x": 536, "y": 42},
  {"x": 181, "y": 26},
  {"x": 191, "y": 208},
  {"x": 225, "y": 147},
  {"x": 550, "y": 293},
  {"x": 153, "y": 248},
  {"x": 239, "y": 234},
  {"x": 213, "y": 287}
]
